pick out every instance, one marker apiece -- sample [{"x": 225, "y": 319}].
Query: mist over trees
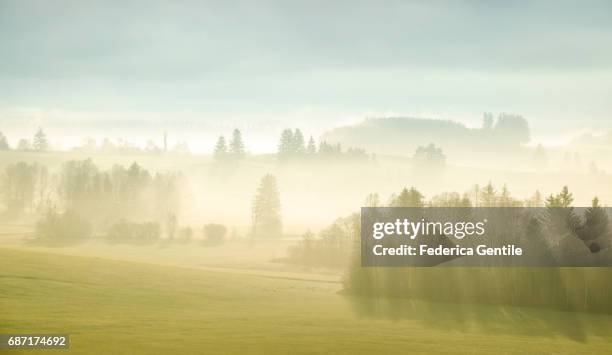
[
  {"x": 80, "y": 201},
  {"x": 330, "y": 248},
  {"x": 24, "y": 188},
  {"x": 123, "y": 146},
  {"x": 120, "y": 192},
  {"x": 237, "y": 149},
  {"x": 81, "y": 192},
  {"x": 292, "y": 147},
  {"x": 501, "y": 138},
  {"x": 429, "y": 156},
  {"x": 511, "y": 130},
  {"x": 400, "y": 135},
  {"x": 24, "y": 145},
  {"x": 560, "y": 220},
  {"x": 63, "y": 227},
  {"x": 220, "y": 151},
  {"x": 232, "y": 152},
  {"x": 4, "y": 145},
  {"x": 124, "y": 231},
  {"x": 266, "y": 218},
  {"x": 565, "y": 288},
  {"x": 41, "y": 143},
  {"x": 214, "y": 233}
]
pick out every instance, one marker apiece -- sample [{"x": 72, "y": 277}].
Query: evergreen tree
[
  {"x": 286, "y": 146},
  {"x": 408, "y": 198},
  {"x": 487, "y": 196},
  {"x": 595, "y": 226},
  {"x": 561, "y": 216},
  {"x": 266, "y": 209},
  {"x": 4, "y": 142},
  {"x": 311, "y": 149},
  {"x": 450, "y": 199},
  {"x": 563, "y": 200},
  {"x": 337, "y": 149},
  {"x": 298, "y": 143},
  {"x": 487, "y": 122},
  {"x": 535, "y": 240},
  {"x": 565, "y": 197},
  {"x": 40, "y": 141},
  {"x": 356, "y": 154},
  {"x": 535, "y": 200},
  {"x": 220, "y": 152},
  {"x": 504, "y": 199},
  {"x": 325, "y": 149},
  {"x": 236, "y": 148}
]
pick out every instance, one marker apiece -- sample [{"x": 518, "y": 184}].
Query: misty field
[
  {"x": 126, "y": 307},
  {"x": 158, "y": 252}
]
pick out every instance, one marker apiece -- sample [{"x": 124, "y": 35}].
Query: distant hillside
[
  {"x": 402, "y": 135},
  {"x": 590, "y": 140}
]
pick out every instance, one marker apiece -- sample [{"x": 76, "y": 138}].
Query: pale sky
[{"x": 123, "y": 66}]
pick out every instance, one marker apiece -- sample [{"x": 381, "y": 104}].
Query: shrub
[
  {"x": 185, "y": 234},
  {"x": 214, "y": 233},
  {"x": 331, "y": 248},
  {"x": 133, "y": 232},
  {"x": 67, "y": 226}
]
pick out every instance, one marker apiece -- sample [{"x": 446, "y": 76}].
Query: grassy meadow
[
  {"x": 168, "y": 295},
  {"x": 121, "y": 307}
]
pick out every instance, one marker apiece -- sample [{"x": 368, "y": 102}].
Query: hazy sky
[{"x": 269, "y": 64}]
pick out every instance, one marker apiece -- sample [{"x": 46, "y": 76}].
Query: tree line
[
  {"x": 232, "y": 150},
  {"x": 337, "y": 246},
  {"x": 80, "y": 189},
  {"x": 556, "y": 230},
  {"x": 557, "y": 221},
  {"x": 121, "y": 203},
  {"x": 39, "y": 142},
  {"x": 291, "y": 146}
]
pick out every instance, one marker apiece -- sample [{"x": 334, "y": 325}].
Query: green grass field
[{"x": 124, "y": 307}]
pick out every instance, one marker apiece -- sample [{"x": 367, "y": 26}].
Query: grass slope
[{"x": 129, "y": 308}]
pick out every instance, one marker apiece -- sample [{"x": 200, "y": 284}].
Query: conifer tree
[
  {"x": 562, "y": 218},
  {"x": 4, "y": 142},
  {"x": 40, "y": 141},
  {"x": 595, "y": 226},
  {"x": 266, "y": 209},
  {"x": 236, "y": 147},
  {"x": 311, "y": 149},
  {"x": 409, "y": 198},
  {"x": 487, "y": 196},
  {"x": 298, "y": 143},
  {"x": 220, "y": 152},
  {"x": 286, "y": 146}
]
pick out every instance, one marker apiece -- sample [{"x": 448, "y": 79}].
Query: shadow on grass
[{"x": 524, "y": 321}]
